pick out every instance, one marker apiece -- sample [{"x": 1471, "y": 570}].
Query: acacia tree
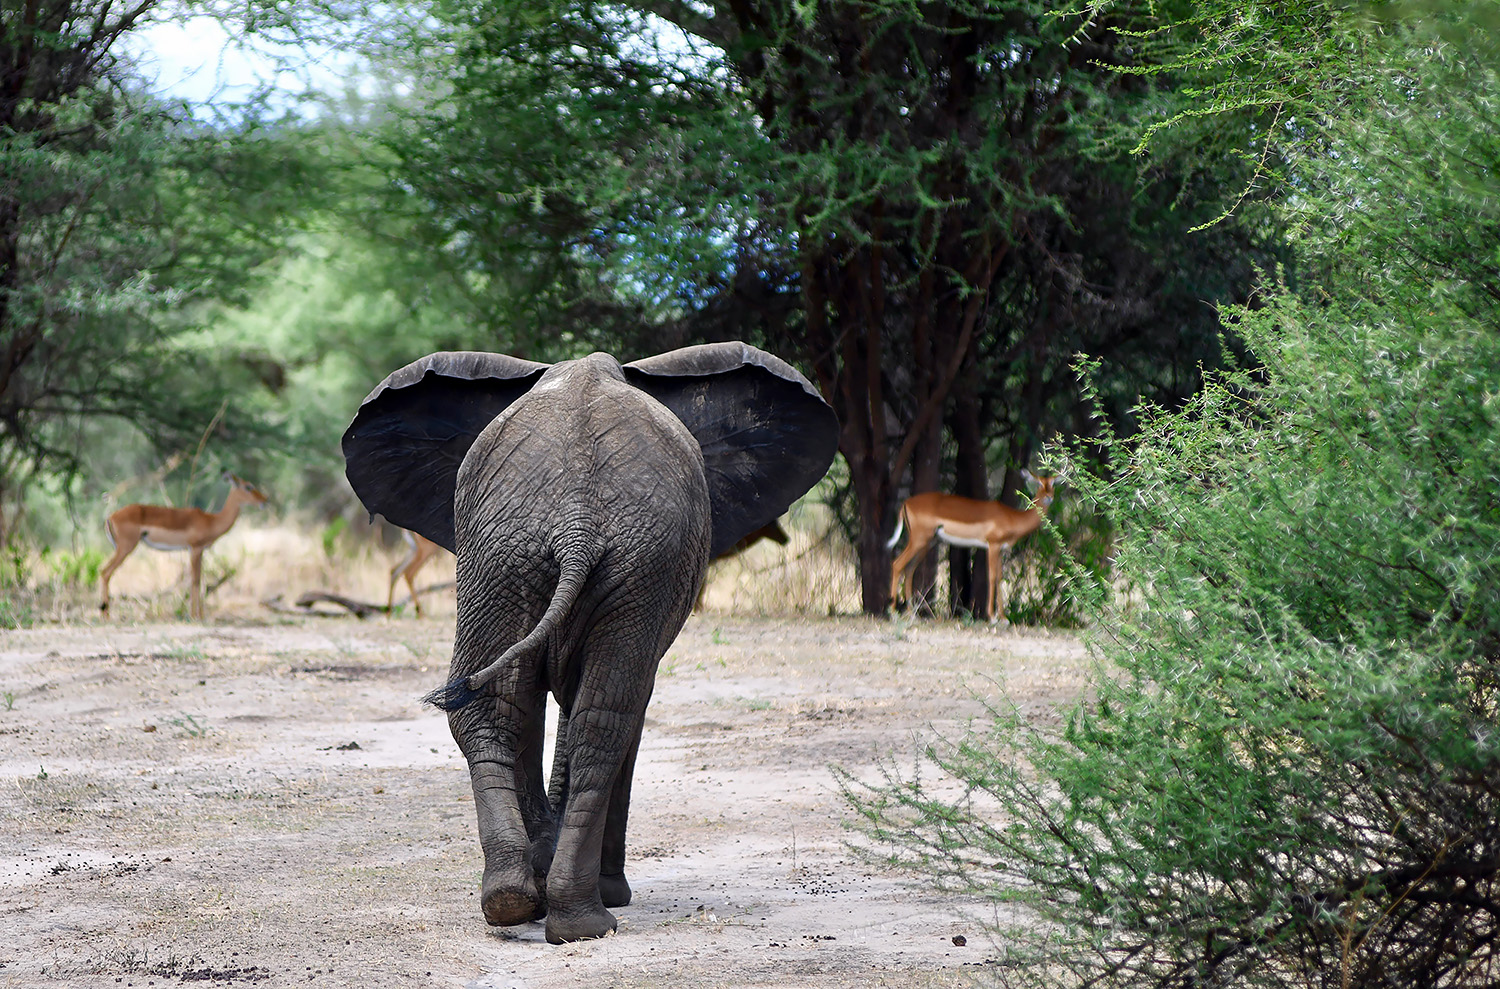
[
  {"x": 120, "y": 216},
  {"x": 886, "y": 193}
]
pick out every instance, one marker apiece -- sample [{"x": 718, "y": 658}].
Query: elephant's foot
[
  {"x": 508, "y": 904},
  {"x": 614, "y": 891},
  {"x": 580, "y": 924}
]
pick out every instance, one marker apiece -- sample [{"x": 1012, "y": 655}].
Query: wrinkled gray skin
[
  {"x": 583, "y": 501},
  {"x": 589, "y": 484}
]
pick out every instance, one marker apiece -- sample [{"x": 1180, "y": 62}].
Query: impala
[
  {"x": 969, "y": 523},
  {"x": 771, "y": 530},
  {"x": 173, "y": 529},
  {"x": 419, "y": 550}
]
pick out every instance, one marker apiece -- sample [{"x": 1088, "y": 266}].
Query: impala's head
[
  {"x": 1042, "y": 496},
  {"x": 254, "y": 495}
]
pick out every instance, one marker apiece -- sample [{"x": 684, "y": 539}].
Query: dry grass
[
  {"x": 816, "y": 573},
  {"x": 249, "y": 565}
]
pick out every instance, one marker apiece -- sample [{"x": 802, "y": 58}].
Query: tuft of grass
[
  {"x": 816, "y": 573},
  {"x": 189, "y": 726},
  {"x": 14, "y": 614},
  {"x": 330, "y": 536},
  {"x": 78, "y": 570}
]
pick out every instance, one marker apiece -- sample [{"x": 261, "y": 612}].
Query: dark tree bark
[{"x": 968, "y": 570}]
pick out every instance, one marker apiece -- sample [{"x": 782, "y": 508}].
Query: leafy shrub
[
  {"x": 330, "y": 535},
  {"x": 1057, "y": 571},
  {"x": 1288, "y": 773},
  {"x": 79, "y": 569},
  {"x": 15, "y": 566},
  {"x": 14, "y": 614}
]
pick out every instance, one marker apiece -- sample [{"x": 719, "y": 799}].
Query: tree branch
[{"x": 718, "y": 31}]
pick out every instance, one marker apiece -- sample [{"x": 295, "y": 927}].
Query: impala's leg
[
  {"x": 915, "y": 547},
  {"x": 421, "y": 552},
  {"x": 418, "y": 561},
  {"x": 125, "y": 542},
  {"x": 195, "y": 601},
  {"x": 390, "y": 594},
  {"x": 399, "y": 569},
  {"x": 994, "y": 596},
  {"x": 411, "y": 585}
]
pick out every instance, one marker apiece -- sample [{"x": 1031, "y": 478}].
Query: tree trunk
[
  {"x": 874, "y": 558},
  {"x": 845, "y": 348},
  {"x": 968, "y": 571},
  {"x": 927, "y": 476}
]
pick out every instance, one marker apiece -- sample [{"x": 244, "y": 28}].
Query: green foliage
[
  {"x": 1290, "y": 766},
  {"x": 14, "y": 614},
  {"x": 1286, "y": 772},
  {"x": 97, "y": 320},
  {"x": 330, "y": 321},
  {"x": 75, "y": 570},
  {"x": 15, "y": 567},
  {"x": 124, "y": 223},
  {"x": 912, "y": 202},
  {"x": 1059, "y": 571},
  {"x": 330, "y": 537}
]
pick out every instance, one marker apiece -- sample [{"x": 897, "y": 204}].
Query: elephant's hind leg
[
  {"x": 604, "y": 729},
  {"x": 502, "y": 742},
  {"x": 614, "y": 890}
]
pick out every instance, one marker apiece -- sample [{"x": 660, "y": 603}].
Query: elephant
[{"x": 583, "y": 501}]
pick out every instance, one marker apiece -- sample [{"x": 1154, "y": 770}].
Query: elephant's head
[{"x": 766, "y": 434}]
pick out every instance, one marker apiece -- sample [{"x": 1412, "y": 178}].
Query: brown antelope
[
  {"x": 164, "y": 528},
  {"x": 969, "y": 523},
  {"x": 419, "y": 550},
  {"x": 771, "y": 530}
]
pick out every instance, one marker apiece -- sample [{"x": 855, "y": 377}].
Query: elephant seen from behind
[{"x": 583, "y": 500}]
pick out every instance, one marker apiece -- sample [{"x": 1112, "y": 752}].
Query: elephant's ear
[
  {"x": 767, "y": 436},
  {"x": 404, "y": 447}
]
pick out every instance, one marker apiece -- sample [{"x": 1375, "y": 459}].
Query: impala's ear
[
  {"x": 1028, "y": 476},
  {"x": 766, "y": 434},
  {"x": 404, "y": 447}
]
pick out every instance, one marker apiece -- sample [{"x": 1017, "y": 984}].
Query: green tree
[
  {"x": 121, "y": 219},
  {"x": 896, "y": 196}
]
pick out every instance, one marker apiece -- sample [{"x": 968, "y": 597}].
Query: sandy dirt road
[{"x": 264, "y": 801}]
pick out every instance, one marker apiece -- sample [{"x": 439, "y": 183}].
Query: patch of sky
[{"x": 216, "y": 67}]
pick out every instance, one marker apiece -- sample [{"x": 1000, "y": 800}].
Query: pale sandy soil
[{"x": 183, "y": 803}]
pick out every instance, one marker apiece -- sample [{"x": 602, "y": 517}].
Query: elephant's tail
[
  {"x": 900, "y": 524},
  {"x": 571, "y": 579}
]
